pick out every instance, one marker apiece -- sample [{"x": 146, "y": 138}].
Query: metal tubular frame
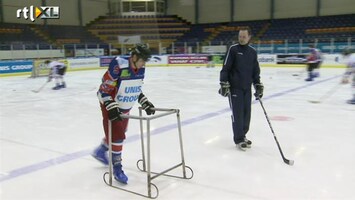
[{"x": 146, "y": 164}]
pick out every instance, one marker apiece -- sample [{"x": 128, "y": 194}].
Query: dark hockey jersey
[{"x": 240, "y": 67}]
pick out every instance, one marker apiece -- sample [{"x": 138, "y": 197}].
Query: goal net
[{"x": 39, "y": 69}]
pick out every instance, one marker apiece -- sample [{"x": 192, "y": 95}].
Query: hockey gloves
[
  {"x": 114, "y": 113},
  {"x": 225, "y": 89},
  {"x": 259, "y": 90},
  {"x": 146, "y": 105}
]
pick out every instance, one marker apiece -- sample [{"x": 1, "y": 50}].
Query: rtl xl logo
[{"x": 44, "y": 12}]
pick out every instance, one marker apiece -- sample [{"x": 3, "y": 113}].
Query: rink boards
[{"x": 26, "y": 67}]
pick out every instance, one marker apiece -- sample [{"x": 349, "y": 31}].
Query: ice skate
[
  {"x": 100, "y": 154},
  {"x": 316, "y": 74},
  {"x": 351, "y": 101},
  {"x": 63, "y": 85},
  {"x": 57, "y": 87},
  {"x": 119, "y": 174},
  {"x": 242, "y": 146},
  {"x": 248, "y": 142},
  {"x": 310, "y": 77}
]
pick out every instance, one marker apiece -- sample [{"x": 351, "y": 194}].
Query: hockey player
[
  {"x": 57, "y": 71},
  {"x": 210, "y": 61},
  {"x": 241, "y": 70},
  {"x": 350, "y": 72},
  {"x": 314, "y": 60},
  {"x": 120, "y": 89}
]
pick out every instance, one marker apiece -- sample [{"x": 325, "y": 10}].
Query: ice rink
[{"x": 47, "y": 137}]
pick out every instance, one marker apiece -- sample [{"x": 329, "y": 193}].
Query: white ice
[{"x": 46, "y": 139}]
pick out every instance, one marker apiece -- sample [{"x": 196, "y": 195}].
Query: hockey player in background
[
  {"x": 314, "y": 60},
  {"x": 350, "y": 72},
  {"x": 240, "y": 70},
  {"x": 57, "y": 71},
  {"x": 210, "y": 61},
  {"x": 118, "y": 92}
]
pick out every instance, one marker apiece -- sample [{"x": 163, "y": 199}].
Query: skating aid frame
[{"x": 146, "y": 162}]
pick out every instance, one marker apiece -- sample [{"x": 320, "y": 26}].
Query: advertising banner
[
  {"x": 333, "y": 59},
  {"x": 89, "y": 52},
  {"x": 154, "y": 60},
  {"x": 15, "y": 66},
  {"x": 214, "y": 49},
  {"x": 187, "y": 59},
  {"x": 291, "y": 59},
  {"x": 105, "y": 60},
  {"x": 83, "y": 63},
  {"x": 133, "y": 39},
  {"x": 157, "y": 61},
  {"x": 267, "y": 59}
]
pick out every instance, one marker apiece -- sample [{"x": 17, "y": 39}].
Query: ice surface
[{"x": 46, "y": 138}]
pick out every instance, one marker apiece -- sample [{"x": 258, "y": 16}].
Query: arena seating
[
  {"x": 20, "y": 36},
  {"x": 310, "y": 28},
  {"x": 152, "y": 29},
  {"x": 70, "y": 34},
  {"x": 167, "y": 29}
]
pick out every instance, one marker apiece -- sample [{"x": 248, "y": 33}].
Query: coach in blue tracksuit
[{"x": 241, "y": 70}]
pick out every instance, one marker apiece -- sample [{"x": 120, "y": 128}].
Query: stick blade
[{"x": 289, "y": 162}]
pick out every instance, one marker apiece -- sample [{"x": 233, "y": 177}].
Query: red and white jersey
[{"x": 121, "y": 83}]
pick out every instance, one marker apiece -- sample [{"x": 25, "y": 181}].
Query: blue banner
[{"x": 15, "y": 66}]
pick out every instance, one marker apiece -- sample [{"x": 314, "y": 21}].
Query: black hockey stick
[
  {"x": 300, "y": 73},
  {"x": 39, "y": 89},
  {"x": 289, "y": 162},
  {"x": 327, "y": 94}
]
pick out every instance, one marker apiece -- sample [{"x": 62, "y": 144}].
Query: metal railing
[{"x": 288, "y": 46}]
